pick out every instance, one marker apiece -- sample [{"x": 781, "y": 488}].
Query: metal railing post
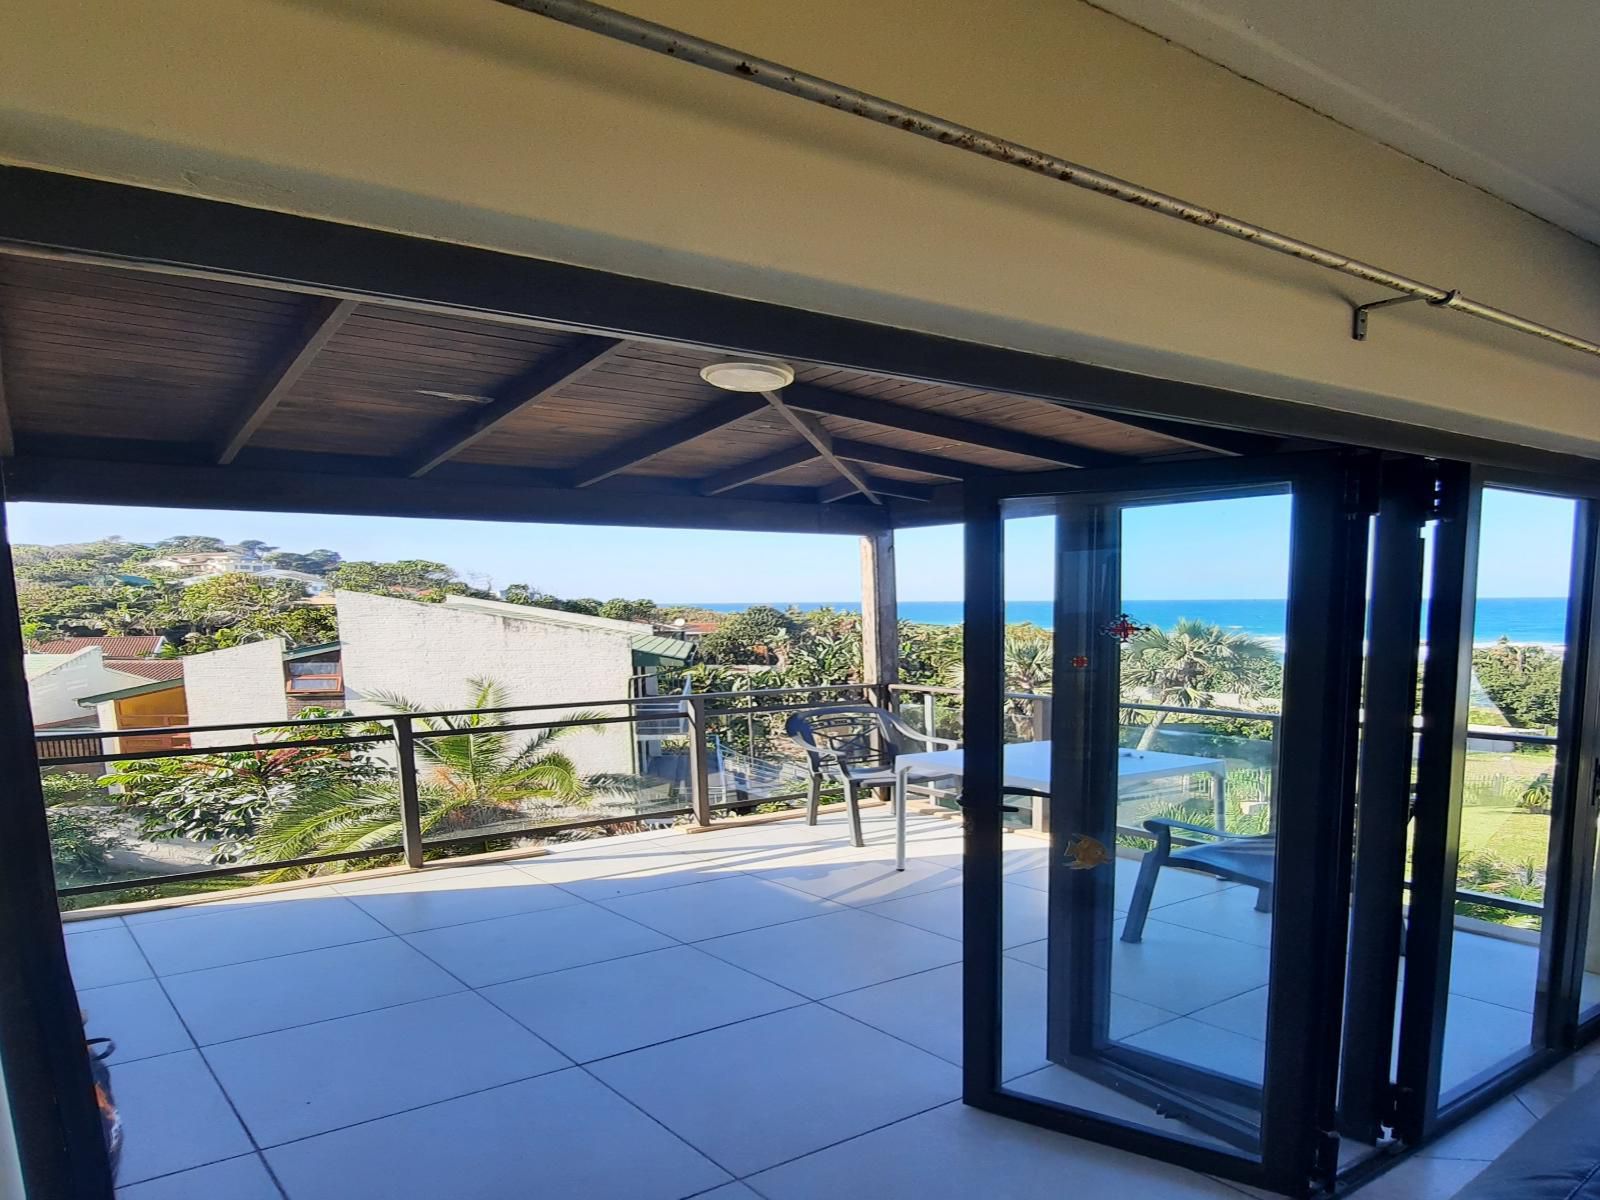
[
  {"x": 699, "y": 765},
  {"x": 1040, "y": 710},
  {"x": 410, "y": 808},
  {"x": 930, "y": 713}
]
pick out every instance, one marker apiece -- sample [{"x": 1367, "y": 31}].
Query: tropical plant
[
  {"x": 1188, "y": 665},
  {"x": 1537, "y": 795},
  {"x": 474, "y": 777},
  {"x": 83, "y": 831},
  {"x": 1489, "y": 873},
  {"x": 224, "y": 798}
]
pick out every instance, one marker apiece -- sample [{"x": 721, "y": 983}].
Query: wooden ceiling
[{"x": 105, "y": 362}]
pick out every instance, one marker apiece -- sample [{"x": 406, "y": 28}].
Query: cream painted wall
[
  {"x": 475, "y": 123},
  {"x": 430, "y": 654},
  {"x": 241, "y": 683}
]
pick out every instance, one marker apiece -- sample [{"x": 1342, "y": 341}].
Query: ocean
[{"x": 1528, "y": 619}]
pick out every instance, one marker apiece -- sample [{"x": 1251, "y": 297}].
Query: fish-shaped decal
[{"x": 1085, "y": 853}]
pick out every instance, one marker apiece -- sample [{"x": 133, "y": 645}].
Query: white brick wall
[
  {"x": 244, "y": 683},
  {"x": 428, "y": 652}
]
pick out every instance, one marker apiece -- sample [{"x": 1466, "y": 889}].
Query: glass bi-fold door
[{"x": 1155, "y": 909}]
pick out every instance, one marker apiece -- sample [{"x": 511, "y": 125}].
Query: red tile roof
[
  {"x": 126, "y": 646},
  {"x": 148, "y": 668}
]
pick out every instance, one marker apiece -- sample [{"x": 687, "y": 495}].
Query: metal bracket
[{"x": 1358, "y": 322}]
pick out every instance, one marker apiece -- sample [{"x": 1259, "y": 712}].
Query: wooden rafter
[
  {"x": 1220, "y": 441},
  {"x": 322, "y": 322},
  {"x": 544, "y": 378},
  {"x": 899, "y": 489},
  {"x": 811, "y": 429},
  {"x": 874, "y": 455},
  {"x": 658, "y": 441},
  {"x": 758, "y": 469},
  {"x": 827, "y": 403}
]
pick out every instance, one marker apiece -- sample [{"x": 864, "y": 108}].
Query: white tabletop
[{"x": 1027, "y": 765}]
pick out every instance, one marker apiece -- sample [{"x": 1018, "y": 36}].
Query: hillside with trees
[{"x": 115, "y": 586}]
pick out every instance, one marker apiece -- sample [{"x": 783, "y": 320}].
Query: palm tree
[
  {"x": 1188, "y": 665},
  {"x": 475, "y": 777},
  {"x": 1028, "y": 655}
]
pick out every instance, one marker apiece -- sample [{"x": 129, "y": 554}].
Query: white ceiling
[{"x": 1502, "y": 93}]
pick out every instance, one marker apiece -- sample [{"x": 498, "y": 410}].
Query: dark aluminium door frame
[
  {"x": 1332, "y": 496},
  {"x": 1417, "y": 1113}
]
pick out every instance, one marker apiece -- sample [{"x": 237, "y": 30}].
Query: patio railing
[{"x": 716, "y": 774}]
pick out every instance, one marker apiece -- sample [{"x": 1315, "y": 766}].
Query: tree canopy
[{"x": 1524, "y": 682}]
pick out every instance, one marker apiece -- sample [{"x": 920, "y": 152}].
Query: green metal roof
[
  {"x": 138, "y": 689},
  {"x": 663, "y": 650},
  {"x": 309, "y": 651}
]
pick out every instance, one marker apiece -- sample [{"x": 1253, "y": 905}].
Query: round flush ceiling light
[{"x": 748, "y": 376}]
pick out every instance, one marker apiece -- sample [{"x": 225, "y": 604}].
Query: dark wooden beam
[
  {"x": 321, "y": 323},
  {"x": 907, "y": 460},
  {"x": 8, "y": 443},
  {"x": 899, "y": 489},
  {"x": 811, "y": 429},
  {"x": 309, "y": 488},
  {"x": 757, "y": 469},
  {"x": 658, "y": 441},
  {"x": 567, "y": 365},
  {"x": 827, "y": 403}
]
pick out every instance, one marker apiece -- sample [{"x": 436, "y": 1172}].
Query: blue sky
[{"x": 1228, "y": 549}]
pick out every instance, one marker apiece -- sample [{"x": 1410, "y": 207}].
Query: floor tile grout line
[
  {"x": 572, "y": 902},
  {"x": 264, "y": 958},
  {"x": 921, "y": 1112},
  {"x": 362, "y": 1012},
  {"x": 414, "y": 1108},
  {"x": 702, "y": 946},
  {"x": 672, "y": 1133},
  {"x": 255, "y": 1154},
  {"x": 211, "y": 1071}
]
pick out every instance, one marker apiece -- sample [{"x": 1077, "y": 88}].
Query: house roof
[
  {"x": 148, "y": 668},
  {"x": 35, "y": 665},
  {"x": 660, "y": 650},
  {"x": 138, "y": 689},
  {"x": 309, "y": 651},
  {"x": 115, "y": 646}
]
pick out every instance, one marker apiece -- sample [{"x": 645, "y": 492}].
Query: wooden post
[
  {"x": 699, "y": 764},
  {"x": 880, "y": 627}
]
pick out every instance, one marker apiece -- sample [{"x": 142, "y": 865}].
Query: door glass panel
[
  {"x": 1138, "y": 932},
  {"x": 1524, "y": 567}
]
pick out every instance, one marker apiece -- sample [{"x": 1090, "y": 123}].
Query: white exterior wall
[
  {"x": 53, "y": 695},
  {"x": 428, "y": 653},
  {"x": 244, "y": 683}
]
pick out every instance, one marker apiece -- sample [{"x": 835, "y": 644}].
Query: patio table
[{"x": 1026, "y": 768}]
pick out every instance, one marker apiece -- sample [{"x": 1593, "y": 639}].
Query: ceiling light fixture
[{"x": 748, "y": 376}]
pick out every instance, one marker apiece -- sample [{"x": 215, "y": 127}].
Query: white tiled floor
[{"x": 759, "y": 1012}]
